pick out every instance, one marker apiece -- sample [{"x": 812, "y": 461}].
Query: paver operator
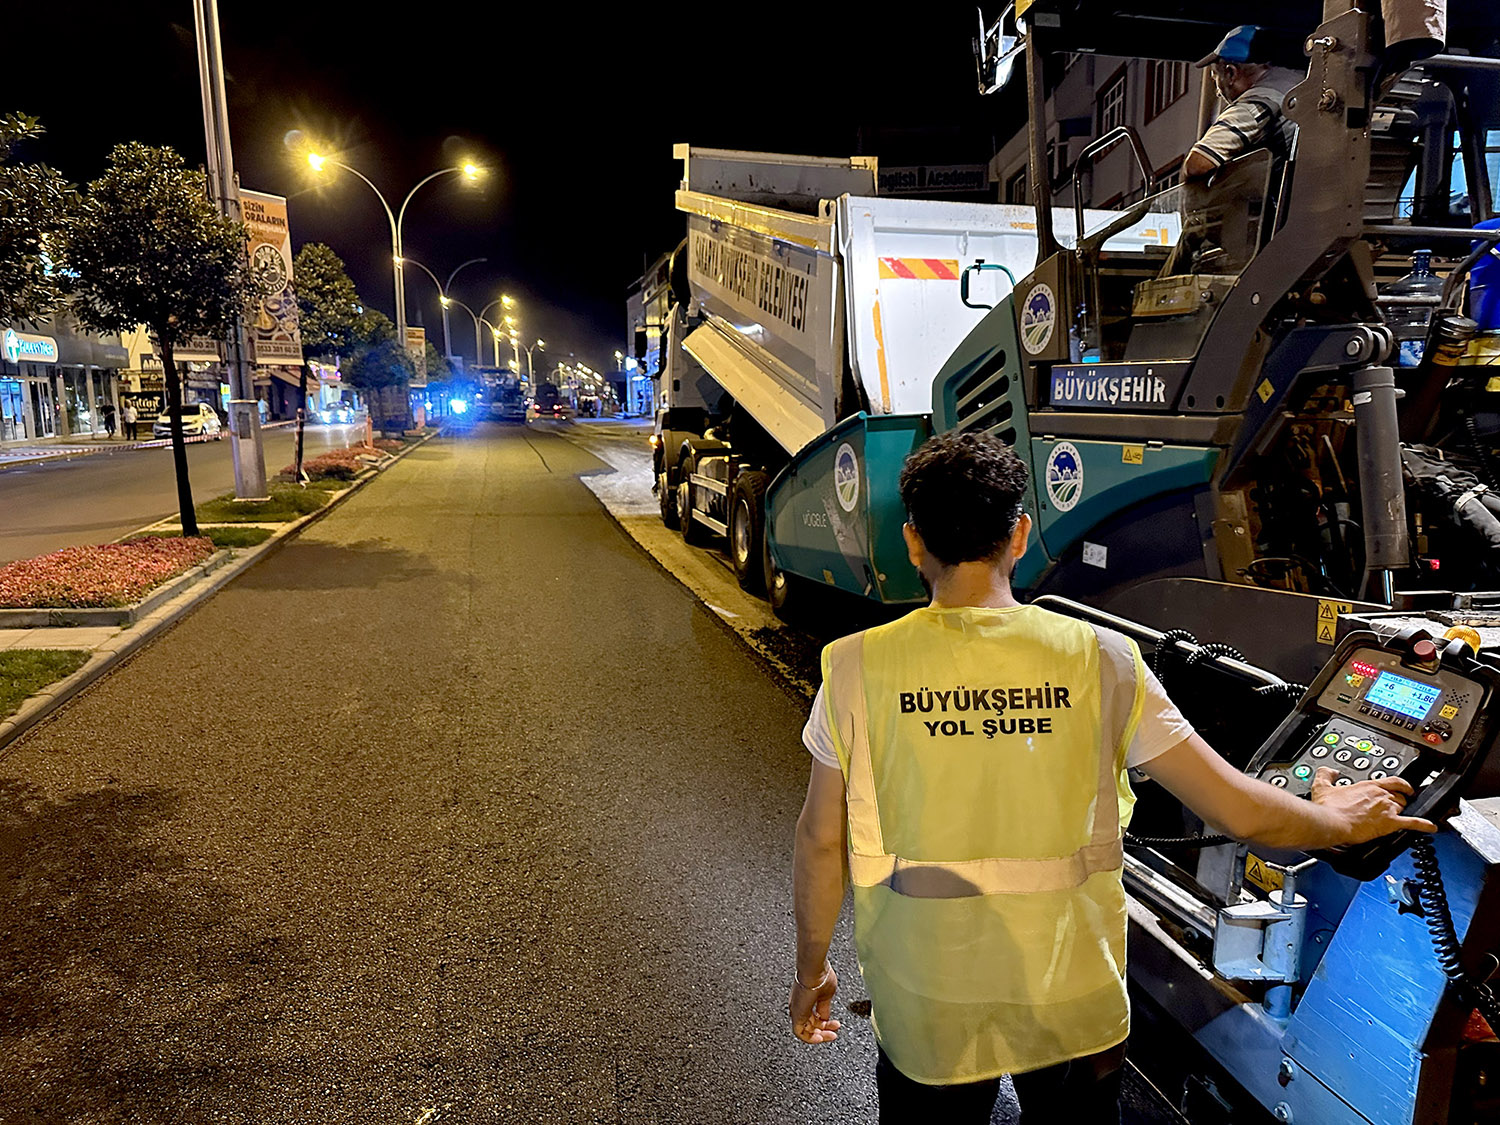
[
  {"x": 1255, "y": 91},
  {"x": 970, "y": 766}
]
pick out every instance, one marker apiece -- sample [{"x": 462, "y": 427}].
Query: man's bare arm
[
  {"x": 818, "y": 878},
  {"x": 1248, "y": 809}
]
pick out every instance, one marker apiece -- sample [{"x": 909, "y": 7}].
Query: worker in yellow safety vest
[{"x": 970, "y": 766}]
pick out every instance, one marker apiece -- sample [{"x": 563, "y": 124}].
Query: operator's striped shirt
[{"x": 1253, "y": 120}]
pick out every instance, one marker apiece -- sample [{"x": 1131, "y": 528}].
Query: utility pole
[{"x": 223, "y": 187}]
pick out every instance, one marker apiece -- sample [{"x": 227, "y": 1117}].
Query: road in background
[{"x": 102, "y": 496}]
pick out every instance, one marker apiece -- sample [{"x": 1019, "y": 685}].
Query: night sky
[{"x": 574, "y": 109}]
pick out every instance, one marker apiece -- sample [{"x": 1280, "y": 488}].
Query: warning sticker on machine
[
  {"x": 1328, "y": 619},
  {"x": 1257, "y": 872}
]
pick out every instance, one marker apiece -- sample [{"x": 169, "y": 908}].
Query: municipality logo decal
[
  {"x": 846, "y": 477},
  {"x": 1064, "y": 476},
  {"x": 1037, "y": 316}
]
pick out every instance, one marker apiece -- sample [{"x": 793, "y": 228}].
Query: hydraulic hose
[{"x": 1433, "y": 897}]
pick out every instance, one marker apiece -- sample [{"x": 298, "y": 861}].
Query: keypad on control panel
[{"x": 1358, "y": 754}]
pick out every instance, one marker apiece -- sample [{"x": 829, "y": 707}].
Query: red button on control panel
[{"x": 1424, "y": 650}]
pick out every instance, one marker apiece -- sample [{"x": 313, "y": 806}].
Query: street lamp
[
  {"x": 444, "y": 299},
  {"x": 530, "y": 370},
  {"x": 479, "y": 319},
  {"x": 397, "y": 219}
]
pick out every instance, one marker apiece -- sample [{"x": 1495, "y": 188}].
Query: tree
[
  {"x": 380, "y": 367},
  {"x": 330, "y": 314},
  {"x": 439, "y": 370},
  {"x": 35, "y": 203},
  {"x": 148, "y": 247}
]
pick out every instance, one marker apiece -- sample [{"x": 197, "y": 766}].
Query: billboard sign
[
  {"x": 416, "y": 347},
  {"x": 274, "y": 337}
]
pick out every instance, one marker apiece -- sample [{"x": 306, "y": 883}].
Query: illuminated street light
[
  {"x": 397, "y": 219},
  {"x": 445, "y": 300}
]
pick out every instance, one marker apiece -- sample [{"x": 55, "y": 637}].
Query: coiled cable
[{"x": 1432, "y": 896}]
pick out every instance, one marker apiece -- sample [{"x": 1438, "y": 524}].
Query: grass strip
[
  {"x": 26, "y": 671},
  {"x": 287, "y": 502},
  {"x": 223, "y": 538}
]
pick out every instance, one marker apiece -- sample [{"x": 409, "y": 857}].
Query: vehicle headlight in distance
[{"x": 459, "y": 406}]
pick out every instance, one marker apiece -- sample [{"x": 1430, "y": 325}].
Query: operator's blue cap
[{"x": 1239, "y": 46}]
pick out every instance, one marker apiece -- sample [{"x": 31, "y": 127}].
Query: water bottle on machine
[{"x": 1411, "y": 301}]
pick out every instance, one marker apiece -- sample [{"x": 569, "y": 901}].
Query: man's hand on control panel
[
  {"x": 1249, "y": 809},
  {"x": 1370, "y": 809}
]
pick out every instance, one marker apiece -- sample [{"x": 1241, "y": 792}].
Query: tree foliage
[
  {"x": 35, "y": 204},
  {"x": 331, "y": 314},
  {"x": 383, "y": 363},
  {"x": 439, "y": 370},
  {"x": 149, "y": 247}
]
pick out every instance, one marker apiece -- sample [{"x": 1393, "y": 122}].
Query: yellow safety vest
[{"x": 983, "y": 753}]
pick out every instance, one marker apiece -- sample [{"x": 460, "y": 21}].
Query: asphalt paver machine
[{"x": 1269, "y": 436}]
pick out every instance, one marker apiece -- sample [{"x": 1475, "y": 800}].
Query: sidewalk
[{"x": 63, "y": 448}]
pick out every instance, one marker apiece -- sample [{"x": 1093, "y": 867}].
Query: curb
[{"x": 37, "y": 707}]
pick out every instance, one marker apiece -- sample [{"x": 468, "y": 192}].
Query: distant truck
[{"x": 507, "y": 403}]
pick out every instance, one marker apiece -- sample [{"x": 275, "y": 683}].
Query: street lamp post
[
  {"x": 443, "y": 299},
  {"x": 397, "y": 220}
]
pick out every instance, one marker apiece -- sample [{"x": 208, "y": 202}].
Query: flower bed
[
  {"x": 341, "y": 464},
  {"x": 114, "y": 574}
]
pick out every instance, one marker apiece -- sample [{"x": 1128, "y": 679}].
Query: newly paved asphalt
[
  {"x": 455, "y": 809},
  {"x": 103, "y": 496}
]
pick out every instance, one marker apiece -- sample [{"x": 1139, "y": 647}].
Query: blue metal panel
[{"x": 1366, "y": 1013}]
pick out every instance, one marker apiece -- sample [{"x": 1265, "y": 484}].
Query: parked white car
[{"x": 198, "y": 420}]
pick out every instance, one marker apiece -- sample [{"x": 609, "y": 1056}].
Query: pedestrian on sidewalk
[
  {"x": 130, "y": 416},
  {"x": 983, "y": 824},
  {"x": 109, "y": 421}
]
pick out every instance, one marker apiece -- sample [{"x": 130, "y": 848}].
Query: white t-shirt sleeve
[
  {"x": 817, "y": 735},
  {"x": 1161, "y": 728},
  {"x": 1162, "y": 725}
]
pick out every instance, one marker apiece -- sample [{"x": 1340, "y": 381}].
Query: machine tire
[
  {"x": 747, "y": 529},
  {"x": 666, "y": 496},
  {"x": 790, "y": 595},
  {"x": 694, "y": 534}
]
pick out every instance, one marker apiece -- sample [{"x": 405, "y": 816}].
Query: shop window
[
  {"x": 1165, "y": 83},
  {"x": 1112, "y": 104},
  {"x": 12, "y": 410}
]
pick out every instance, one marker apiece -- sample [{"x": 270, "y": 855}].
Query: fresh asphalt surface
[
  {"x": 455, "y": 809},
  {"x": 102, "y": 496}
]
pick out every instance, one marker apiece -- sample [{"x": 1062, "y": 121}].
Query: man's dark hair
[{"x": 963, "y": 493}]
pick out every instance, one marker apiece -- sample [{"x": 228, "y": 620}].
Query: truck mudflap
[{"x": 834, "y": 514}]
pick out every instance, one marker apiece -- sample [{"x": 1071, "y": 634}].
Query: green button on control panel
[
  {"x": 1331, "y": 739},
  {"x": 1303, "y": 772}
]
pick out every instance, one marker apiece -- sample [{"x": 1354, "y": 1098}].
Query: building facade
[
  {"x": 1094, "y": 94},
  {"x": 58, "y": 381}
]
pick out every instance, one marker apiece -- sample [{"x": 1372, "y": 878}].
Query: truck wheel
[
  {"x": 666, "y": 495},
  {"x": 747, "y": 529},
  {"x": 694, "y": 534},
  {"x": 791, "y": 597}
]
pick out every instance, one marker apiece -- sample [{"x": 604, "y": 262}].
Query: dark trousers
[{"x": 1083, "y": 1091}]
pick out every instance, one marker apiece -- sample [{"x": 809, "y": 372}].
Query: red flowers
[
  {"x": 114, "y": 574},
  {"x": 340, "y": 464}
]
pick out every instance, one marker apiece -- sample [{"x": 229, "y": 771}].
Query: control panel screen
[{"x": 1407, "y": 697}]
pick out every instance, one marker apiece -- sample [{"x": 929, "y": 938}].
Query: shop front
[
  {"x": 59, "y": 383},
  {"x": 27, "y": 395}
]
